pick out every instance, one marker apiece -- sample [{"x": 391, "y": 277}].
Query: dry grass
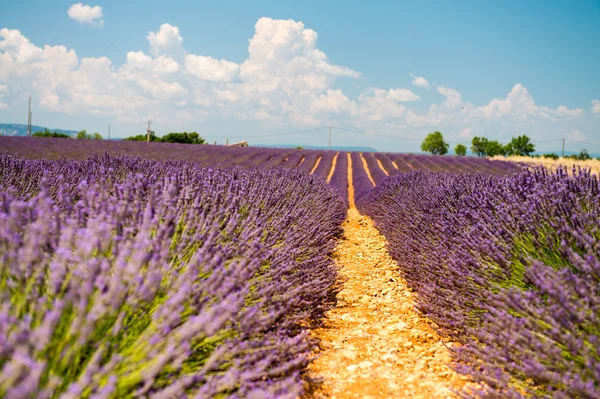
[{"x": 592, "y": 164}]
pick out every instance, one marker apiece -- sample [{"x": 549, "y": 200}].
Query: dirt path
[
  {"x": 373, "y": 344},
  {"x": 332, "y": 169},
  {"x": 316, "y": 165}
]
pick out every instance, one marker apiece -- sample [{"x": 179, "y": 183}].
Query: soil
[{"x": 373, "y": 343}]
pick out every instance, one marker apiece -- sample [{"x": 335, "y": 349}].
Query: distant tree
[
  {"x": 173, "y": 137},
  {"x": 299, "y": 147},
  {"x": 494, "y": 148},
  {"x": 144, "y": 137},
  {"x": 478, "y": 145},
  {"x": 97, "y": 136},
  {"x": 185, "y": 138},
  {"x": 83, "y": 134},
  {"x": 484, "y": 147},
  {"x": 584, "y": 155},
  {"x": 435, "y": 144},
  {"x": 460, "y": 150},
  {"x": 520, "y": 145},
  {"x": 47, "y": 133},
  {"x": 551, "y": 156}
]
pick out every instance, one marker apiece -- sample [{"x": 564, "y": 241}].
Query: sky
[{"x": 384, "y": 74}]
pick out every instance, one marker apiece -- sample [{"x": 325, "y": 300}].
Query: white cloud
[
  {"x": 85, "y": 14},
  {"x": 284, "y": 80},
  {"x": 453, "y": 97},
  {"x": 466, "y": 133},
  {"x": 576, "y": 136},
  {"x": 402, "y": 95},
  {"x": 596, "y": 107},
  {"x": 419, "y": 81},
  {"x": 167, "y": 41},
  {"x": 3, "y": 93},
  {"x": 210, "y": 69}
]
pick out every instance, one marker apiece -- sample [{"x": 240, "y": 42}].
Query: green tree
[
  {"x": 584, "y": 155},
  {"x": 435, "y": 144},
  {"x": 97, "y": 136},
  {"x": 551, "y": 156},
  {"x": 144, "y": 137},
  {"x": 184, "y": 137},
  {"x": 47, "y": 133},
  {"x": 494, "y": 148},
  {"x": 83, "y": 134},
  {"x": 478, "y": 145},
  {"x": 460, "y": 150},
  {"x": 520, "y": 145}
]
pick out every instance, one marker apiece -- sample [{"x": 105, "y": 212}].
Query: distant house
[{"x": 238, "y": 144}]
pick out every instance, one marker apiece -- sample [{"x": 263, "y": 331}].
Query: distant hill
[
  {"x": 15, "y": 129},
  {"x": 311, "y": 147}
]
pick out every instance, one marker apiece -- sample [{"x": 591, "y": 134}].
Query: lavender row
[
  {"x": 509, "y": 267},
  {"x": 324, "y": 166},
  {"x": 376, "y": 173},
  {"x": 122, "y": 277},
  {"x": 339, "y": 178},
  {"x": 360, "y": 180},
  {"x": 387, "y": 164}
]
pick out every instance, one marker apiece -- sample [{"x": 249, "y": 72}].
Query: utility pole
[
  {"x": 149, "y": 123},
  {"x": 29, "y": 117},
  {"x": 563, "y": 149},
  {"x": 109, "y": 132},
  {"x": 329, "y": 145}
]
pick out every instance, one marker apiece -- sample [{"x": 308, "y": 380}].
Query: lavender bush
[
  {"x": 324, "y": 166},
  {"x": 121, "y": 277},
  {"x": 376, "y": 173},
  {"x": 360, "y": 180},
  {"x": 509, "y": 267},
  {"x": 339, "y": 179}
]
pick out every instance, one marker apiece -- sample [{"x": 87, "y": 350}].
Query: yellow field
[{"x": 592, "y": 164}]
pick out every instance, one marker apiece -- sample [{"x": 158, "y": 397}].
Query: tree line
[
  {"x": 481, "y": 146},
  {"x": 173, "y": 137},
  {"x": 83, "y": 134}
]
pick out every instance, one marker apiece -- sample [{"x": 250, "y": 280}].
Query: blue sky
[{"x": 496, "y": 69}]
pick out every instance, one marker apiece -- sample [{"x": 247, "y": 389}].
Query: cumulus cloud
[
  {"x": 3, "y": 93},
  {"x": 284, "y": 80},
  {"x": 596, "y": 107},
  {"x": 167, "y": 41},
  {"x": 85, "y": 14},
  {"x": 466, "y": 133},
  {"x": 210, "y": 69},
  {"x": 419, "y": 81},
  {"x": 576, "y": 136},
  {"x": 453, "y": 97}
]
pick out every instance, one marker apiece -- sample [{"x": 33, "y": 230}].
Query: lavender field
[{"x": 161, "y": 270}]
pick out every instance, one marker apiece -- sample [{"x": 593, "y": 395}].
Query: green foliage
[
  {"x": 520, "y": 145},
  {"x": 97, "y": 136},
  {"x": 184, "y": 138},
  {"x": 460, "y": 150},
  {"x": 144, "y": 137},
  {"x": 584, "y": 155},
  {"x": 48, "y": 133},
  {"x": 478, "y": 145},
  {"x": 484, "y": 147},
  {"x": 435, "y": 144},
  {"x": 83, "y": 134},
  {"x": 551, "y": 156},
  {"x": 173, "y": 137},
  {"x": 299, "y": 147},
  {"x": 494, "y": 148}
]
